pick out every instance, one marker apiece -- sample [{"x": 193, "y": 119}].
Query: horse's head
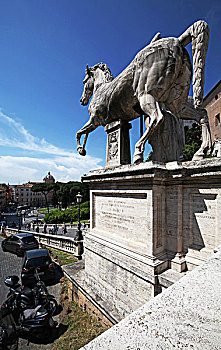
[
  {"x": 95, "y": 77},
  {"x": 88, "y": 87}
]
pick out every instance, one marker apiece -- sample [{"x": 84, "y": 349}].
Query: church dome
[{"x": 49, "y": 178}]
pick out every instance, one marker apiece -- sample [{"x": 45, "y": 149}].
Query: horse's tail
[{"x": 198, "y": 34}]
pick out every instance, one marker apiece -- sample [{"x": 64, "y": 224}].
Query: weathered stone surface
[
  {"x": 185, "y": 316},
  {"x": 118, "y": 143},
  {"x": 155, "y": 84},
  {"x": 217, "y": 148},
  {"x": 146, "y": 219}
]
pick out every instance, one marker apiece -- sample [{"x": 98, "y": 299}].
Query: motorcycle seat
[{"x": 31, "y": 313}]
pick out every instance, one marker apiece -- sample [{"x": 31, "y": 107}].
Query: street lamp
[
  {"x": 72, "y": 213},
  {"x": 79, "y": 236},
  {"x": 19, "y": 220}
]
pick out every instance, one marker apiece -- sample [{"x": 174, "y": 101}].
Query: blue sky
[{"x": 45, "y": 46}]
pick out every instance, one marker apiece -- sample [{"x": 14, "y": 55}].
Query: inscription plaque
[{"x": 124, "y": 216}]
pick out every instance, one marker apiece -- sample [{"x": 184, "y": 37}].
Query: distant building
[
  {"x": 49, "y": 178},
  {"x": 5, "y": 196},
  {"x": 212, "y": 103},
  {"x": 23, "y": 195},
  {"x": 2, "y": 197}
]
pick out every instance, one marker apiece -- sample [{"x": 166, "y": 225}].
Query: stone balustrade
[
  {"x": 67, "y": 244},
  {"x": 68, "y": 226}
]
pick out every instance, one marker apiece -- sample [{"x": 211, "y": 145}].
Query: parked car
[
  {"x": 19, "y": 243},
  {"x": 40, "y": 259}
]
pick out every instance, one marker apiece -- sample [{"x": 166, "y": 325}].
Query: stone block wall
[
  {"x": 117, "y": 278},
  {"x": 146, "y": 219},
  {"x": 184, "y": 316},
  {"x": 78, "y": 297}
]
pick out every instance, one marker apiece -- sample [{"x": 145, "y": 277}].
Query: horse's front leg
[{"x": 87, "y": 128}]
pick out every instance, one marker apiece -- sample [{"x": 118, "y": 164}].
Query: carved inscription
[{"x": 125, "y": 216}]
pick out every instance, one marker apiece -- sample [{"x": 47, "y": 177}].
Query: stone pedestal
[
  {"x": 146, "y": 220},
  {"x": 118, "y": 143}
]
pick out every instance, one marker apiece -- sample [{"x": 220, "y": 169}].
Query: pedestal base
[{"x": 146, "y": 220}]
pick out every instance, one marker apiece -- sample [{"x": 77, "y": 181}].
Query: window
[{"x": 217, "y": 119}]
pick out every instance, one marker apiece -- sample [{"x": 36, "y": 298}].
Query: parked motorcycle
[
  {"x": 28, "y": 297},
  {"x": 31, "y": 310}
]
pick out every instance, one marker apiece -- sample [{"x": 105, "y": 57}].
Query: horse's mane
[{"x": 108, "y": 75}]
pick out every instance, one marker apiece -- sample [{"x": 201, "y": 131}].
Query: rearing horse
[{"x": 155, "y": 82}]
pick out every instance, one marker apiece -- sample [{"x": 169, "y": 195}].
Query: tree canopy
[
  {"x": 44, "y": 188},
  {"x": 63, "y": 192},
  {"x": 66, "y": 193},
  {"x": 192, "y": 140}
]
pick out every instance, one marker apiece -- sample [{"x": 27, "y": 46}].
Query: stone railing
[
  {"x": 68, "y": 226},
  {"x": 67, "y": 244}
]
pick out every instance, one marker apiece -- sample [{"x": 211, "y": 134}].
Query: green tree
[
  {"x": 66, "y": 192},
  {"x": 68, "y": 215},
  {"x": 192, "y": 140},
  {"x": 44, "y": 188}
]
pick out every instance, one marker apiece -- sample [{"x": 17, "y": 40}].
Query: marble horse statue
[{"x": 154, "y": 84}]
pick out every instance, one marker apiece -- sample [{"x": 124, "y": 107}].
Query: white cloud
[
  {"x": 22, "y": 169},
  {"x": 21, "y": 138},
  {"x": 63, "y": 164}
]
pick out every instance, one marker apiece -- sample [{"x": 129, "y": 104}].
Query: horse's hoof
[
  {"x": 138, "y": 158},
  {"x": 81, "y": 151},
  {"x": 198, "y": 157}
]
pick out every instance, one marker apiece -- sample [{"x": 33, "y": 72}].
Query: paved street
[
  {"x": 10, "y": 264},
  {"x": 71, "y": 232}
]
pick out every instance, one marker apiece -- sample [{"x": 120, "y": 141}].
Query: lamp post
[
  {"x": 19, "y": 220},
  {"x": 79, "y": 236},
  {"x": 72, "y": 213}
]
